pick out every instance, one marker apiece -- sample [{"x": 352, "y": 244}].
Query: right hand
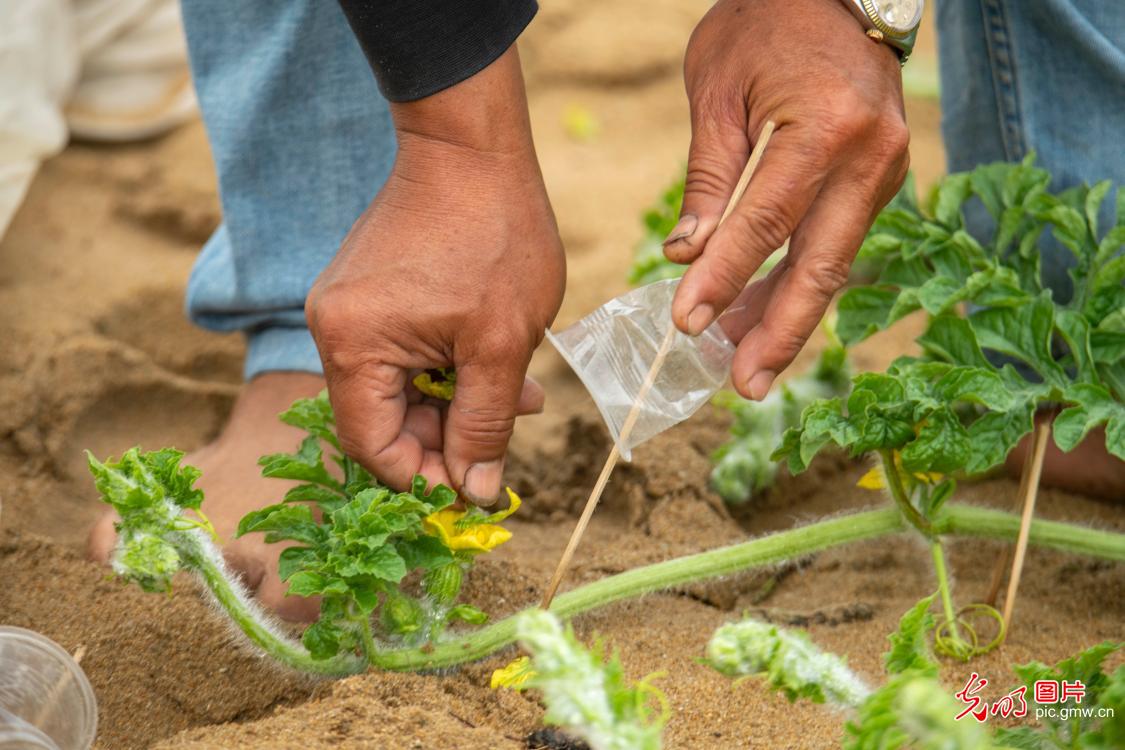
[
  {"x": 838, "y": 155},
  {"x": 457, "y": 262}
]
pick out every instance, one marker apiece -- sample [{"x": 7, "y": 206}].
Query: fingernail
[
  {"x": 684, "y": 228},
  {"x": 759, "y": 385},
  {"x": 482, "y": 483},
  {"x": 699, "y": 318}
]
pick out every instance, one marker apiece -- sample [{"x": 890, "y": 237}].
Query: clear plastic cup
[{"x": 46, "y": 702}]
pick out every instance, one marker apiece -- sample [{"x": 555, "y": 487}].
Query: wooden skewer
[
  {"x": 646, "y": 386},
  {"x": 1030, "y": 492},
  {"x": 1004, "y": 562}
]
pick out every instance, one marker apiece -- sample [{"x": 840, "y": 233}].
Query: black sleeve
[{"x": 419, "y": 47}]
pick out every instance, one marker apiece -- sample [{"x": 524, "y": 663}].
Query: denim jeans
[
  {"x": 302, "y": 140},
  {"x": 1035, "y": 75}
]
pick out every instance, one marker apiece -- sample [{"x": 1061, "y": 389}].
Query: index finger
[{"x": 785, "y": 184}]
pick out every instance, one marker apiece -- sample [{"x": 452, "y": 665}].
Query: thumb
[
  {"x": 479, "y": 425},
  {"x": 716, "y": 156}
]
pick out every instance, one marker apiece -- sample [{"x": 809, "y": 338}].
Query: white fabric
[{"x": 101, "y": 69}]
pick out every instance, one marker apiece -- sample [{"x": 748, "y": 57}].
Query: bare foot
[
  {"x": 1087, "y": 470},
  {"x": 233, "y": 485}
]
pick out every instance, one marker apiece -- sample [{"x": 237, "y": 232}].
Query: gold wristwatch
[{"x": 893, "y": 22}]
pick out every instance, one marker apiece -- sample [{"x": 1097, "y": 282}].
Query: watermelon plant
[
  {"x": 1047, "y": 347},
  {"x": 356, "y": 551},
  {"x": 912, "y": 709}
]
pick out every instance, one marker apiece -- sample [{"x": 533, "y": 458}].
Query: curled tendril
[
  {"x": 948, "y": 641},
  {"x": 647, "y": 691}
]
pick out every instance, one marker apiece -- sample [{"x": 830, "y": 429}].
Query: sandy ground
[{"x": 94, "y": 353}]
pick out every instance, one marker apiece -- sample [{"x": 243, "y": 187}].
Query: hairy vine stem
[{"x": 954, "y": 519}]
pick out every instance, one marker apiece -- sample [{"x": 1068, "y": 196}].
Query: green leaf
[
  {"x": 910, "y": 644},
  {"x": 952, "y": 339},
  {"x": 306, "y": 465},
  {"x": 327, "y": 500},
  {"x": 283, "y": 521},
  {"x": 383, "y": 563},
  {"x": 309, "y": 583},
  {"x": 293, "y": 559},
  {"x": 942, "y": 445},
  {"x": 314, "y": 416},
  {"x": 1107, "y": 347},
  {"x": 322, "y": 639},
  {"x": 1093, "y": 406},
  {"x": 951, "y": 193},
  {"x": 993, "y": 435},
  {"x": 976, "y": 385},
  {"x": 1093, "y": 204},
  {"x": 1022, "y": 332},
  {"x": 424, "y": 553},
  {"x": 863, "y": 311},
  {"x": 1075, "y": 331},
  {"x": 939, "y": 293}
]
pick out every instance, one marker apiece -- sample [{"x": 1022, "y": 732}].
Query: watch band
[{"x": 867, "y": 13}]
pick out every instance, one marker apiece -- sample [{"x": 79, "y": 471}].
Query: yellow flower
[
  {"x": 876, "y": 480},
  {"x": 439, "y": 383},
  {"x": 514, "y": 675},
  {"x": 472, "y": 534},
  {"x": 873, "y": 480}
]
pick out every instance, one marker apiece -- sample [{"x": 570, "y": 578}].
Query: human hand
[
  {"x": 457, "y": 262},
  {"x": 838, "y": 156}
]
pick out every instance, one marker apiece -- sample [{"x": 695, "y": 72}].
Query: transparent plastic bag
[{"x": 612, "y": 350}]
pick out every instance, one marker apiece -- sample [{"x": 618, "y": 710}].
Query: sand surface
[{"x": 95, "y": 353}]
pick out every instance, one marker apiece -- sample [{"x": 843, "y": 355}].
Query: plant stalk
[
  {"x": 943, "y": 587},
  {"x": 901, "y": 498},
  {"x": 250, "y": 620},
  {"x": 786, "y": 545}
]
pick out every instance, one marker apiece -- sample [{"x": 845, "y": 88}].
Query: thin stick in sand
[
  {"x": 646, "y": 386},
  {"x": 1030, "y": 493}
]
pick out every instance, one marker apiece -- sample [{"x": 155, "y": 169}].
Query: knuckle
[
  {"x": 894, "y": 138},
  {"x": 768, "y": 222},
  {"x": 847, "y": 117},
  {"x": 824, "y": 276},
  {"x": 705, "y": 175},
  {"x": 485, "y": 429}
]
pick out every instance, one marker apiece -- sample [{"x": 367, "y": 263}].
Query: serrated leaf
[
  {"x": 424, "y": 553},
  {"x": 310, "y": 583},
  {"x": 313, "y": 415},
  {"x": 1022, "y": 332},
  {"x": 322, "y": 639},
  {"x": 283, "y": 521},
  {"x": 951, "y": 193},
  {"x": 910, "y": 644},
  {"x": 327, "y": 500},
  {"x": 976, "y": 385},
  {"x": 992, "y": 436},
  {"x": 293, "y": 559},
  {"x": 942, "y": 445},
  {"x": 1092, "y": 406},
  {"x": 306, "y": 465},
  {"x": 862, "y": 311},
  {"x": 952, "y": 339}
]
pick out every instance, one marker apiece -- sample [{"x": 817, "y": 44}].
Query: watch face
[{"x": 900, "y": 15}]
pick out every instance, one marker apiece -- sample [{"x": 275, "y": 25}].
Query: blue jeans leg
[
  {"x": 1035, "y": 75},
  {"x": 302, "y": 141}
]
